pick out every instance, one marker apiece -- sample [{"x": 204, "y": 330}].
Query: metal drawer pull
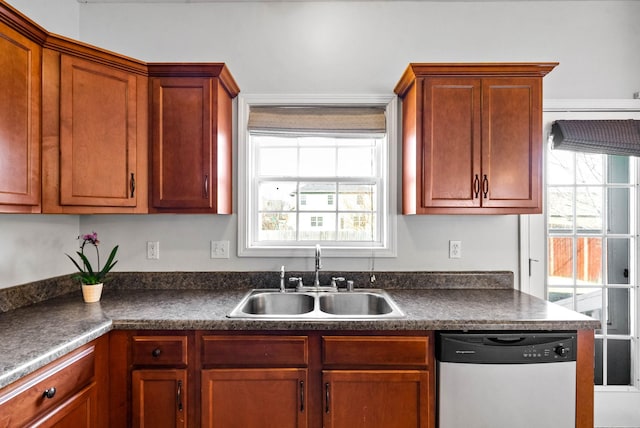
[
  {"x": 49, "y": 393},
  {"x": 326, "y": 397},
  {"x": 485, "y": 186},
  {"x": 302, "y": 396},
  {"x": 156, "y": 353},
  {"x": 179, "y": 395},
  {"x": 133, "y": 184},
  {"x": 206, "y": 186},
  {"x": 476, "y": 186}
]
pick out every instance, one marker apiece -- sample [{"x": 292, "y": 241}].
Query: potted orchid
[{"x": 92, "y": 279}]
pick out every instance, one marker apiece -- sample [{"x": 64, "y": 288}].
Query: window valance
[
  {"x": 612, "y": 137},
  {"x": 322, "y": 119}
]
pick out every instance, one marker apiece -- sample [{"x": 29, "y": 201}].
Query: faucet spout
[{"x": 316, "y": 281}]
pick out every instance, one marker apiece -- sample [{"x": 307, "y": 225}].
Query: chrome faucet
[
  {"x": 316, "y": 280},
  {"x": 282, "y": 285}
]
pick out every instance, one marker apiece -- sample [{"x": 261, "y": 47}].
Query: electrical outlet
[
  {"x": 455, "y": 249},
  {"x": 153, "y": 250},
  {"x": 219, "y": 249}
]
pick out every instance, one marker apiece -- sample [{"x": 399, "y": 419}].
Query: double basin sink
[{"x": 317, "y": 305}]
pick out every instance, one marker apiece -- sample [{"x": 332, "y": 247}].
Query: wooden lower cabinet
[
  {"x": 317, "y": 380},
  {"x": 272, "y": 379},
  {"x": 376, "y": 398},
  {"x": 240, "y": 398},
  {"x": 70, "y": 392},
  {"x": 159, "y": 398}
]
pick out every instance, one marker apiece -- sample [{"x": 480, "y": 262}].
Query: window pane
[
  {"x": 317, "y": 162},
  {"x": 560, "y": 261},
  {"x": 277, "y": 227},
  {"x": 277, "y": 196},
  {"x": 357, "y": 197},
  {"x": 618, "y": 209},
  {"x": 598, "y": 376},
  {"x": 589, "y": 261},
  {"x": 562, "y": 296},
  {"x": 356, "y": 227},
  {"x": 618, "y": 321},
  {"x": 356, "y": 161},
  {"x": 560, "y": 208},
  {"x": 618, "y": 167},
  {"x": 278, "y": 162},
  {"x": 316, "y": 226},
  {"x": 317, "y": 196},
  {"x": 589, "y": 168},
  {"x": 589, "y": 302},
  {"x": 560, "y": 167},
  {"x": 589, "y": 209},
  {"x": 618, "y": 260},
  {"x": 618, "y": 362}
]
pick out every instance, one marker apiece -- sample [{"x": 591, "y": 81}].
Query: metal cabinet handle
[
  {"x": 49, "y": 393},
  {"x": 485, "y": 186},
  {"x": 326, "y": 397},
  {"x": 132, "y": 184},
  {"x": 179, "y": 395},
  {"x": 476, "y": 186},
  {"x": 156, "y": 353},
  {"x": 302, "y": 396},
  {"x": 206, "y": 185}
]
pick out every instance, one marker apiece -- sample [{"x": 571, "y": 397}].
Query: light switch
[{"x": 219, "y": 249}]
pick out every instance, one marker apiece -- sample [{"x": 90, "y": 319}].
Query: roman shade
[
  {"x": 317, "y": 119},
  {"x": 612, "y": 137}
]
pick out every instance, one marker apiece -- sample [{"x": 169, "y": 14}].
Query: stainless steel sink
[
  {"x": 355, "y": 304},
  {"x": 278, "y": 303},
  {"x": 317, "y": 305}
]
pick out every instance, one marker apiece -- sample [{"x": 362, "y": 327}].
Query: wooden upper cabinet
[
  {"x": 97, "y": 134},
  {"x": 472, "y": 138},
  {"x": 191, "y": 138},
  {"x": 20, "y": 76},
  {"x": 94, "y": 131}
]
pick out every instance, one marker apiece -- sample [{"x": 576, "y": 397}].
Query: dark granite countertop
[{"x": 35, "y": 335}]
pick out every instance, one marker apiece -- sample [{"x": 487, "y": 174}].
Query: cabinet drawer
[
  {"x": 375, "y": 351},
  {"x": 260, "y": 351},
  {"x": 159, "y": 350},
  {"x": 27, "y": 398}
]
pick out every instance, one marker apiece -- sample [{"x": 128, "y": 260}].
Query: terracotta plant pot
[{"x": 91, "y": 293}]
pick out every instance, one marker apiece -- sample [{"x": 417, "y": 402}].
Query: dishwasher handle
[{"x": 502, "y": 341}]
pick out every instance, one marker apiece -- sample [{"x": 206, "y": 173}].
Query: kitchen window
[
  {"x": 316, "y": 170},
  {"x": 591, "y": 238}
]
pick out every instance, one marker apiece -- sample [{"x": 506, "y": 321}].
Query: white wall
[
  {"x": 362, "y": 47},
  {"x": 338, "y": 48},
  {"x": 32, "y": 247},
  {"x": 56, "y": 16}
]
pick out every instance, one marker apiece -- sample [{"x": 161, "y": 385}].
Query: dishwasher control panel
[{"x": 506, "y": 347}]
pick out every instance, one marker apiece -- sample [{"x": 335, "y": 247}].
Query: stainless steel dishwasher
[{"x": 506, "y": 379}]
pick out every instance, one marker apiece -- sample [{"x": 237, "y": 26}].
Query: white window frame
[{"x": 366, "y": 249}]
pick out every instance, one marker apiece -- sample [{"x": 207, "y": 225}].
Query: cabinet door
[
  {"x": 159, "y": 398},
  {"x": 97, "y": 134},
  {"x": 182, "y": 142},
  {"x": 376, "y": 399},
  {"x": 20, "y": 76},
  {"x": 239, "y": 398},
  {"x": 451, "y": 143},
  {"x": 512, "y": 142}
]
